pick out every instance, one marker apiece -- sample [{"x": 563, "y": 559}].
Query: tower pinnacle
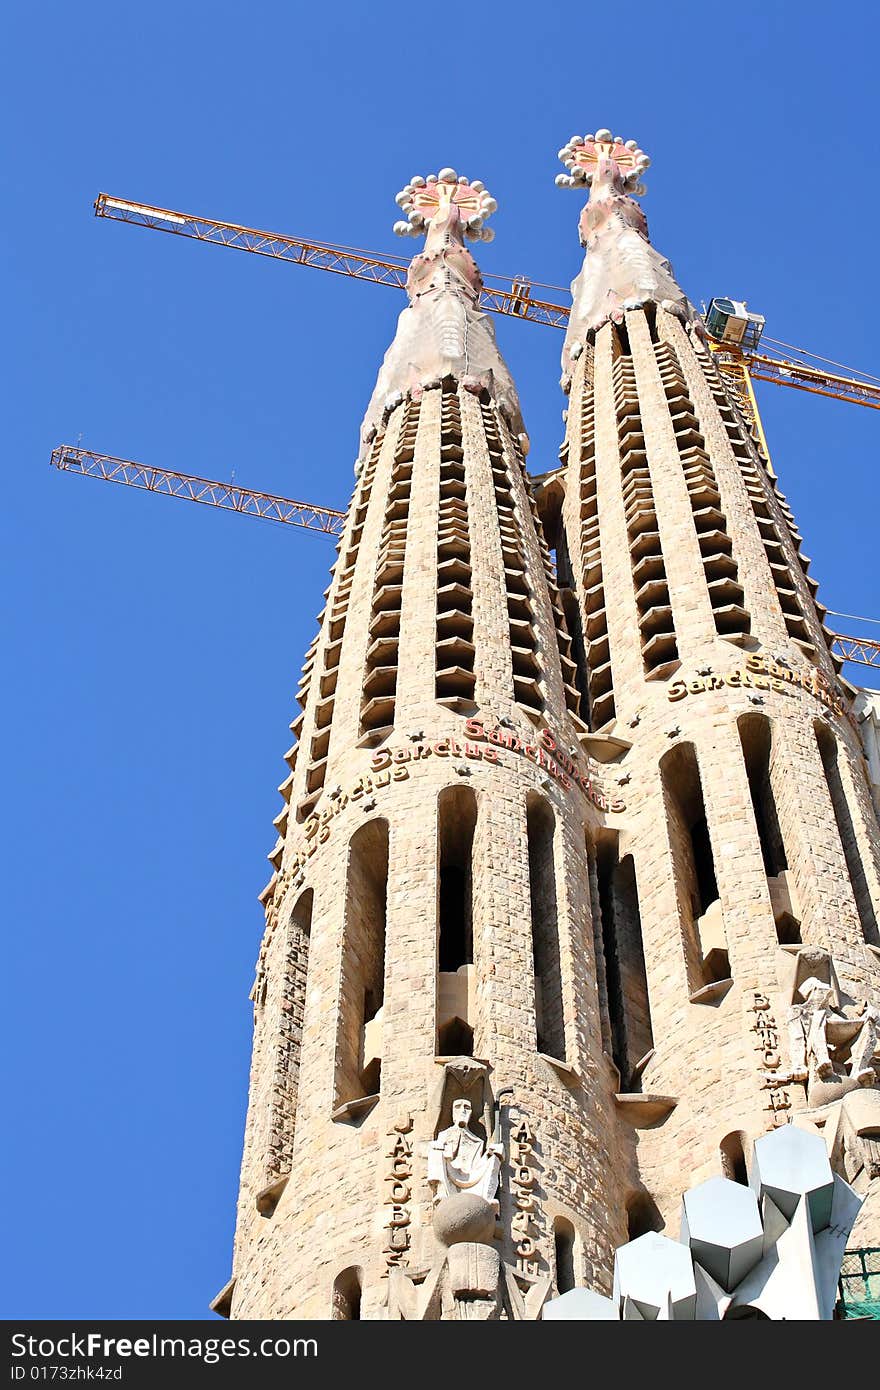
[
  {"x": 443, "y": 332},
  {"x": 622, "y": 270}
]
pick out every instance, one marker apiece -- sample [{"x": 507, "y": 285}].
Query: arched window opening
[
  {"x": 347, "y": 1289},
  {"x": 285, "y": 1079},
  {"x": 626, "y": 982},
  {"x": 846, "y": 829},
  {"x": 756, "y": 740},
  {"x": 549, "y": 1011},
  {"x": 572, "y": 611},
  {"x": 705, "y": 942},
  {"x": 733, "y": 1158},
  {"x": 563, "y": 1240},
  {"x": 642, "y": 1215},
  {"x": 455, "y": 1039},
  {"x": 456, "y": 824},
  {"x": 362, "y": 990}
]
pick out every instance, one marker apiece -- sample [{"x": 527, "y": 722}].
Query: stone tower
[
  {"x": 429, "y": 934},
  {"x": 749, "y": 861},
  {"x": 576, "y": 888}
]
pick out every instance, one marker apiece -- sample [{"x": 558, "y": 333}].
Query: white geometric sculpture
[
  {"x": 655, "y": 1278},
  {"x": 579, "y": 1305},
  {"x": 773, "y": 1252},
  {"x": 721, "y": 1223},
  {"x": 789, "y": 1164}
]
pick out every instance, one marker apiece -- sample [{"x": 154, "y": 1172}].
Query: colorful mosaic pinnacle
[
  {"x": 586, "y": 155},
  {"x": 422, "y": 199}
]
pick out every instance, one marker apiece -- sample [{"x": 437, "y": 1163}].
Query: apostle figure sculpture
[
  {"x": 459, "y": 1161},
  {"x": 816, "y": 1028}
]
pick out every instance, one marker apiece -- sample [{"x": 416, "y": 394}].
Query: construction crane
[
  {"x": 70, "y": 458},
  {"x": 734, "y": 336},
  {"x": 736, "y": 355}
]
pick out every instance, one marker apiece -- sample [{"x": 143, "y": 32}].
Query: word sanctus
[
  {"x": 547, "y": 754},
  {"x": 762, "y": 673}
]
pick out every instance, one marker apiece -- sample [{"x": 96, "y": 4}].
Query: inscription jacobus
[
  {"x": 773, "y": 1079},
  {"x": 398, "y": 1180},
  {"x": 527, "y": 1219}
]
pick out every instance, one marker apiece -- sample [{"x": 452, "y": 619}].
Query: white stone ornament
[
  {"x": 654, "y": 1273},
  {"x": 789, "y": 1165},
  {"x": 721, "y": 1223},
  {"x": 581, "y": 1305},
  {"x": 771, "y": 1251}
]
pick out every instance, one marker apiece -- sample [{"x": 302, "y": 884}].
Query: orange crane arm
[
  {"x": 506, "y": 296},
  {"x": 784, "y": 371},
  {"x": 271, "y": 507},
  {"x": 206, "y": 490}
]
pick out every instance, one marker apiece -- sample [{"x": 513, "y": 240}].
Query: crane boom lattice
[
  {"x": 208, "y": 491},
  {"x": 271, "y": 507},
  {"x": 512, "y": 296}
]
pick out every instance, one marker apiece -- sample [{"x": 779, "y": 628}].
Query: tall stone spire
[
  {"x": 443, "y": 333},
  {"x": 750, "y": 855},
  {"x": 429, "y": 939},
  {"x": 621, "y": 270}
]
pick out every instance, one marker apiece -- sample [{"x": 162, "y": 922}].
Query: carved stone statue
[
  {"x": 807, "y": 1027},
  {"x": 459, "y": 1161},
  {"x": 817, "y": 1029},
  {"x": 866, "y": 1046}
]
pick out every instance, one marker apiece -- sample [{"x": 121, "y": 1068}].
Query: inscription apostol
[{"x": 526, "y": 1222}]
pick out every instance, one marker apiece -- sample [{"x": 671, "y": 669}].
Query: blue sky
[{"x": 153, "y": 648}]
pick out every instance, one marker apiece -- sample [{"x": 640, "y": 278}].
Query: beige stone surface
[{"x": 641, "y": 944}]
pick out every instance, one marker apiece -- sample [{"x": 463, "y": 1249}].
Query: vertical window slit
[
  {"x": 700, "y": 915},
  {"x": 362, "y": 985},
  {"x": 726, "y": 595},
  {"x": 756, "y": 740},
  {"x": 457, "y": 820},
  {"x": 564, "y": 1243},
  {"x": 656, "y": 625},
  {"x": 626, "y": 982},
  {"x": 549, "y": 1009},
  {"x": 830, "y": 753}
]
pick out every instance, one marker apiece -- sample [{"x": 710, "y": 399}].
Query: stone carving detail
[
  {"x": 526, "y": 1222},
  {"x": 773, "y": 1080},
  {"x": 443, "y": 332},
  {"x": 855, "y": 1138},
  {"x": 622, "y": 270},
  {"x": 398, "y": 1179},
  {"x": 459, "y": 1160},
  {"x": 468, "y": 1280},
  {"x": 833, "y": 1046}
]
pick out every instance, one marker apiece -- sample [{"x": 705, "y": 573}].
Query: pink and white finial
[
  {"x": 617, "y": 162},
  {"x": 424, "y": 198}
]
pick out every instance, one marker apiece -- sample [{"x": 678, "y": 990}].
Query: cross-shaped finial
[
  {"x": 583, "y": 155},
  {"x": 423, "y": 198}
]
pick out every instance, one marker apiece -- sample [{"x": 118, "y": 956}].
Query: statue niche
[{"x": 468, "y": 1280}]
